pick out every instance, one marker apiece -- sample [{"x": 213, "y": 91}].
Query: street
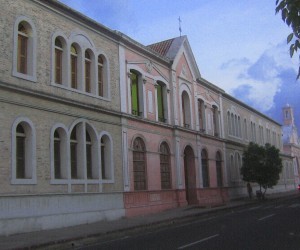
[{"x": 265, "y": 225}]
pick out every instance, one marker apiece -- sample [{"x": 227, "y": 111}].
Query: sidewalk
[{"x": 49, "y": 237}]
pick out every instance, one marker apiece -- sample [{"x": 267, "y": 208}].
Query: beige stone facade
[{"x": 36, "y": 107}]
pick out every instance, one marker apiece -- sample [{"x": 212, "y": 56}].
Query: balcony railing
[
  {"x": 137, "y": 113},
  {"x": 162, "y": 119}
]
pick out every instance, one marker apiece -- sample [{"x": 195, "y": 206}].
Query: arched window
[
  {"x": 216, "y": 120},
  {"x": 74, "y": 67},
  {"x": 186, "y": 110},
  {"x": 73, "y": 153},
  {"x": 239, "y": 127},
  {"x": 232, "y": 168},
  {"x": 201, "y": 114},
  {"x": 87, "y": 65},
  {"x": 20, "y": 153},
  {"x": 237, "y": 165},
  {"x": 228, "y": 123},
  {"x": 100, "y": 76},
  {"x": 106, "y": 157},
  {"x": 88, "y": 150},
  {"x": 245, "y": 129},
  {"x": 23, "y": 151},
  {"x": 232, "y": 124},
  {"x": 57, "y": 155},
  {"x": 165, "y": 168},
  {"x": 136, "y": 94},
  {"x": 205, "y": 172},
  {"x": 219, "y": 169},
  {"x": 160, "y": 88},
  {"x": 236, "y": 126},
  {"x": 23, "y": 34},
  {"x": 58, "y": 60},
  {"x": 24, "y": 53},
  {"x": 139, "y": 165}
]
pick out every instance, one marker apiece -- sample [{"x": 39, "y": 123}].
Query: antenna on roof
[{"x": 179, "y": 20}]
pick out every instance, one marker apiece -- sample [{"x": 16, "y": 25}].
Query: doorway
[{"x": 190, "y": 176}]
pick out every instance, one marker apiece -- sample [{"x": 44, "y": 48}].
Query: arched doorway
[{"x": 190, "y": 175}]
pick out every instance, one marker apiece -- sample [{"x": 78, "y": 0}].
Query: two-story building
[
  {"x": 61, "y": 153},
  {"x": 96, "y": 126}
]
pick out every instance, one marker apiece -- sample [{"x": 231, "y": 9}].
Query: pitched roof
[{"x": 168, "y": 48}]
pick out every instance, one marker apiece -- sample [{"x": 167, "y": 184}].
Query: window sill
[
  {"x": 23, "y": 181},
  {"x": 27, "y": 77}
]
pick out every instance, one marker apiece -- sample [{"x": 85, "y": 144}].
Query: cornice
[{"x": 53, "y": 98}]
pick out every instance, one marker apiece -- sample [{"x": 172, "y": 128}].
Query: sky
[{"x": 240, "y": 46}]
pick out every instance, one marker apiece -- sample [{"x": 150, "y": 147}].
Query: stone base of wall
[
  {"x": 29, "y": 213},
  {"x": 211, "y": 197},
  {"x": 239, "y": 192},
  {"x": 147, "y": 202}
]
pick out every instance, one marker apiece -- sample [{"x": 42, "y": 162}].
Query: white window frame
[
  {"x": 31, "y": 50},
  {"x": 30, "y": 151}
]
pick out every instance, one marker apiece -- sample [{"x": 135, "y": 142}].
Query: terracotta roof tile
[{"x": 161, "y": 48}]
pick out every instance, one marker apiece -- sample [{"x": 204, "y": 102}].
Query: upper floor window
[
  {"x": 161, "y": 101},
  {"x": 82, "y": 70},
  {"x": 24, "y": 60},
  {"x": 216, "y": 121},
  {"x": 74, "y": 69},
  {"x": 186, "y": 110},
  {"x": 100, "y": 76},
  {"x": 261, "y": 134},
  {"x": 201, "y": 115},
  {"x": 136, "y": 94},
  {"x": 253, "y": 132},
  {"x": 58, "y": 60},
  {"x": 22, "y": 48},
  {"x": 87, "y": 64},
  {"x": 239, "y": 127},
  {"x": 245, "y": 129},
  {"x": 234, "y": 124}
]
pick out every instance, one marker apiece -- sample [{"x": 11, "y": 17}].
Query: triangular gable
[
  {"x": 187, "y": 51},
  {"x": 173, "y": 49}
]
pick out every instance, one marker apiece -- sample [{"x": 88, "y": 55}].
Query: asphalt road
[{"x": 266, "y": 225}]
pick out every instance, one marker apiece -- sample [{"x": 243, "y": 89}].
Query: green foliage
[
  {"x": 261, "y": 165},
  {"x": 290, "y": 13}
]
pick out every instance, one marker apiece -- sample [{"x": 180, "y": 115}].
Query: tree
[
  {"x": 261, "y": 165},
  {"x": 290, "y": 13}
]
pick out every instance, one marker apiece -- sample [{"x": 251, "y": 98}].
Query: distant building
[{"x": 291, "y": 144}]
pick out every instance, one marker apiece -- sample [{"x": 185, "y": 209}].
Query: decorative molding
[{"x": 149, "y": 66}]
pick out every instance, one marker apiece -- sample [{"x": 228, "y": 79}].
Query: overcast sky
[{"x": 239, "y": 45}]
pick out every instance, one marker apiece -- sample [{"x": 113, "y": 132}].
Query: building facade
[
  {"x": 95, "y": 125},
  {"x": 60, "y": 119}
]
